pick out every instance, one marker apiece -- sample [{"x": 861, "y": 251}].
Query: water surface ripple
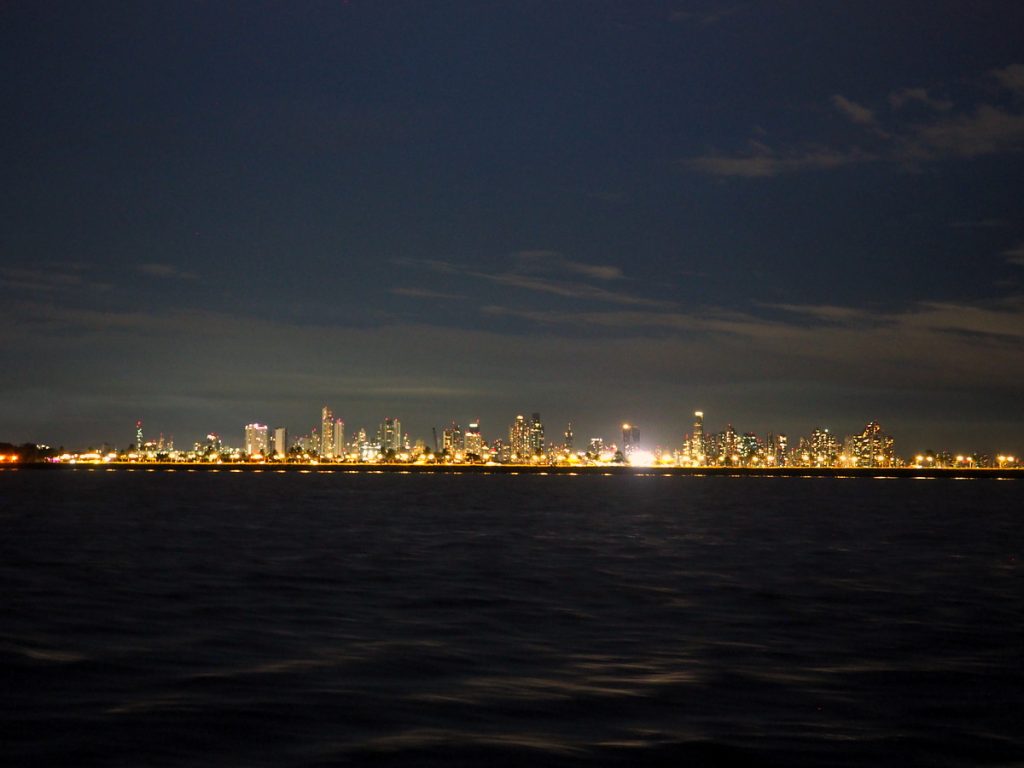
[{"x": 313, "y": 620}]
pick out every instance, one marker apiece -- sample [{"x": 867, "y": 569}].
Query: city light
[{"x": 523, "y": 443}]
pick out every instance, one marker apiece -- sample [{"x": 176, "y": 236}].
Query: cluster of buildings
[{"x": 526, "y": 442}]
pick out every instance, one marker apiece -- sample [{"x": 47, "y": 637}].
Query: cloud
[
  {"x": 988, "y": 130},
  {"x": 104, "y": 369},
  {"x": 53, "y": 278},
  {"x": 567, "y": 289},
  {"x": 532, "y": 272},
  {"x": 1015, "y": 255},
  {"x": 553, "y": 261},
  {"x": 854, "y": 111},
  {"x": 761, "y": 161},
  {"x": 424, "y": 293},
  {"x": 165, "y": 271},
  {"x": 898, "y": 99},
  {"x": 1011, "y": 77}
]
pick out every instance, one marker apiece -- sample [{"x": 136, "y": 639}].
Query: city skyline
[
  {"x": 797, "y": 214},
  {"x": 522, "y": 441}
]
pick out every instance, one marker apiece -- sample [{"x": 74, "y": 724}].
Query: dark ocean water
[{"x": 152, "y": 619}]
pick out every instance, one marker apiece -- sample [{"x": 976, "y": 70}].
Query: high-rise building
[
  {"x": 280, "y": 442},
  {"x": 452, "y": 439},
  {"x": 630, "y": 438},
  {"x": 519, "y": 440},
  {"x": 474, "y": 441},
  {"x": 256, "y": 442},
  {"x": 728, "y": 447},
  {"x": 326, "y": 433},
  {"x": 824, "y": 448},
  {"x": 536, "y": 435},
  {"x": 390, "y": 435},
  {"x": 568, "y": 437},
  {"x": 871, "y": 448},
  {"x": 697, "y": 449},
  {"x": 339, "y": 439},
  {"x": 138, "y": 435}
]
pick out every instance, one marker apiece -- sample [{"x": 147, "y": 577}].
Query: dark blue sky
[{"x": 788, "y": 214}]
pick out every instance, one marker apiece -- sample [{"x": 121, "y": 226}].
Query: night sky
[{"x": 789, "y": 215}]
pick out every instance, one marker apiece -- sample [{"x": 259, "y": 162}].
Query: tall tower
[
  {"x": 536, "y": 435},
  {"x": 326, "y": 433},
  {"x": 519, "y": 439},
  {"x": 256, "y": 442},
  {"x": 280, "y": 442},
  {"x": 138, "y": 435},
  {"x": 630, "y": 438},
  {"x": 697, "y": 441},
  {"x": 339, "y": 439},
  {"x": 474, "y": 440},
  {"x": 568, "y": 437},
  {"x": 390, "y": 434}
]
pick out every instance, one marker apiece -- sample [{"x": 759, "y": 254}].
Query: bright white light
[{"x": 641, "y": 459}]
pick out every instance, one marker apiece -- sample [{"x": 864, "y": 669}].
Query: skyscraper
[
  {"x": 697, "y": 452},
  {"x": 390, "y": 435},
  {"x": 871, "y": 448},
  {"x": 280, "y": 442},
  {"x": 339, "y": 439},
  {"x": 326, "y": 433},
  {"x": 474, "y": 440},
  {"x": 519, "y": 439},
  {"x": 630, "y": 438},
  {"x": 256, "y": 443},
  {"x": 452, "y": 439},
  {"x": 536, "y": 435},
  {"x": 568, "y": 437},
  {"x": 138, "y": 435}
]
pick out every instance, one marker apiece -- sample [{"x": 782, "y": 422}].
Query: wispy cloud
[
  {"x": 53, "y": 278},
  {"x": 424, "y": 293},
  {"x": 165, "y": 271},
  {"x": 985, "y": 131},
  {"x": 1010, "y": 78},
  {"x": 858, "y": 113},
  {"x": 548, "y": 272},
  {"x": 761, "y": 161},
  {"x": 899, "y": 99},
  {"x": 553, "y": 261},
  {"x": 1015, "y": 255},
  {"x": 981, "y": 129}
]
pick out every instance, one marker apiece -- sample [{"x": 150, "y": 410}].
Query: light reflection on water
[{"x": 412, "y": 619}]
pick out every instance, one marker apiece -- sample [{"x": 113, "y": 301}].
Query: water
[{"x": 335, "y": 619}]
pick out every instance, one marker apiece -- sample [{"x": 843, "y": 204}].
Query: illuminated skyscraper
[
  {"x": 339, "y": 439},
  {"x": 326, "y": 433},
  {"x": 138, "y": 435},
  {"x": 871, "y": 448},
  {"x": 630, "y": 438},
  {"x": 452, "y": 439},
  {"x": 568, "y": 437},
  {"x": 824, "y": 448},
  {"x": 697, "y": 451},
  {"x": 390, "y": 435},
  {"x": 536, "y": 435},
  {"x": 474, "y": 440},
  {"x": 256, "y": 442},
  {"x": 519, "y": 439},
  {"x": 280, "y": 442}
]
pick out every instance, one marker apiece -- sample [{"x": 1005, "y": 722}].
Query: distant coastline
[{"x": 529, "y": 469}]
